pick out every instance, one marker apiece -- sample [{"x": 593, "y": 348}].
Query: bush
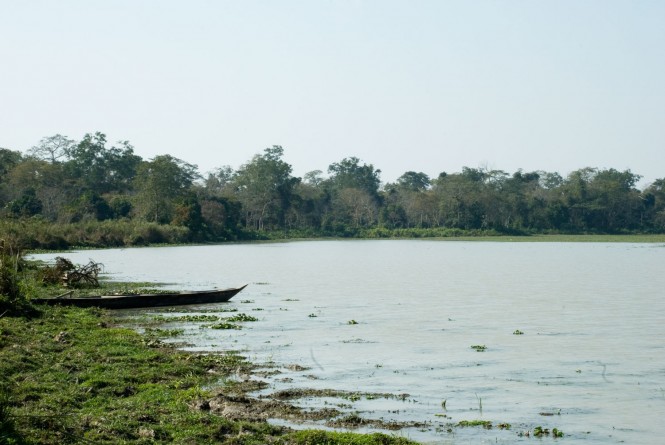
[{"x": 12, "y": 300}]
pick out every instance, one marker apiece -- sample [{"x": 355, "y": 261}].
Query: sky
[{"x": 419, "y": 85}]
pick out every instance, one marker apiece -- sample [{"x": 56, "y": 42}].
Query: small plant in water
[
  {"x": 312, "y": 315},
  {"x": 241, "y": 317},
  {"x": 539, "y": 431},
  {"x": 224, "y": 325},
  {"x": 479, "y": 348},
  {"x": 352, "y": 322},
  {"x": 468, "y": 423},
  {"x": 186, "y": 318},
  {"x": 518, "y": 332}
]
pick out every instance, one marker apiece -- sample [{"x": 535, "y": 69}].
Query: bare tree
[{"x": 53, "y": 148}]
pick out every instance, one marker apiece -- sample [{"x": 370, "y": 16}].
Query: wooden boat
[{"x": 128, "y": 301}]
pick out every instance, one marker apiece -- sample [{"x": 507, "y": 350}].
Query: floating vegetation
[
  {"x": 312, "y": 315},
  {"x": 163, "y": 333},
  {"x": 518, "y": 332},
  {"x": 351, "y": 322},
  {"x": 184, "y": 318},
  {"x": 473, "y": 423},
  {"x": 241, "y": 317},
  {"x": 182, "y": 310},
  {"x": 291, "y": 299},
  {"x": 225, "y": 325},
  {"x": 483, "y": 423},
  {"x": 479, "y": 348},
  {"x": 296, "y": 367},
  {"x": 296, "y": 393},
  {"x": 247, "y": 301},
  {"x": 131, "y": 291},
  {"x": 539, "y": 431},
  {"x": 257, "y": 309}
]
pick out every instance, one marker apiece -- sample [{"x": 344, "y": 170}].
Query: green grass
[{"x": 70, "y": 376}]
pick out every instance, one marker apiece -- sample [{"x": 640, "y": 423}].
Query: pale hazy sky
[{"x": 423, "y": 85}]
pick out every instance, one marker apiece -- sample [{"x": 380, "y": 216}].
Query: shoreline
[{"x": 76, "y": 375}]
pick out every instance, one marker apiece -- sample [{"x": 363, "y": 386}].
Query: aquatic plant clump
[
  {"x": 241, "y": 318},
  {"x": 473, "y": 423},
  {"x": 186, "y": 318},
  {"x": 225, "y": 325}
]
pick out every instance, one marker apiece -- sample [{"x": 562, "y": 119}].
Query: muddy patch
[{"x": 235, "y": 403}]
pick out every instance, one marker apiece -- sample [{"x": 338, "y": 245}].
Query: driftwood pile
[{"x": 64, "y": 272}]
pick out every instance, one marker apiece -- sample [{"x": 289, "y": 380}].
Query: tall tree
[
  {"x": 100, "y": 168},
  {"x": 653, "y": 204},
  {"x": 414, "y": 181},
  {"x": 53, "y": 148},
  {"x": 8, "y": 160},
  {"x": 160, "y": 183},
  {"x": 264, "y": 187},
  {"x": 219, "y": 181},
  {"x": 348, "y": 173}
]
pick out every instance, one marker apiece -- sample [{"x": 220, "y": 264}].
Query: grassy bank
[
  {"x": 636, "y": 238},
  {"x": 37, "y": 234},
  {"x": 71, "y": 376}
]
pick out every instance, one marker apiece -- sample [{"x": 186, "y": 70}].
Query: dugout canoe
[{"x": 131, "y": 301}]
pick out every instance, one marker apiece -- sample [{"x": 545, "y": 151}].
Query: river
[{"x": 573, "y": 333}]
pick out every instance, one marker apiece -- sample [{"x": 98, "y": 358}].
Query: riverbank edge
[
  {"x": 635, "y": 239},
  {"x": 41, "y": 235},
  {"x": 73, "y": 375}
]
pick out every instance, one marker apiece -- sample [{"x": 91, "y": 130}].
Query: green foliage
[
  {"x": 8, "y": 433},
  {"x": 474, "y": 423},
  {"x": 12, "y": 298},
  {"x": 40, "y": 234},
  {"x": 349, "y": 174},
  {"x": 27, "y": 205},
  {"x": 159, "y": 184},
  {"x": 264, "y": 187},
  {"x": 242, "y": 318},
  {"x": 73, "y": 184},
  {"x": 99, "y": 168},
  {"x": 76, "y": 379}
]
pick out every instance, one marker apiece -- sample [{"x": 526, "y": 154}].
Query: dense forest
[{"x": 64, "y": 192}]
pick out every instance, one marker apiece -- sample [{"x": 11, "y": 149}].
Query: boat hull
[{"x": 145, "y": 300}]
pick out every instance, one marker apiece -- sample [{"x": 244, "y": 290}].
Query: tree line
[{"x": 62, "y": 181}]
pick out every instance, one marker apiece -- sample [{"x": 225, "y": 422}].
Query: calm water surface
[{"x": 591, "y": 361}]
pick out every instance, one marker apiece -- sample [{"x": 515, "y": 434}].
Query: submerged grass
[{"x": 70, "y": 375}]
